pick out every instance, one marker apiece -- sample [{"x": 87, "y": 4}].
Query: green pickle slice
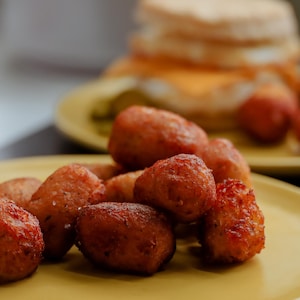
[
  {"x": 105, "y": 110},
  {"x": 103, "y": 126},
  {"x": 129, "y": 98},
  {"x": 102, "y": 109}
]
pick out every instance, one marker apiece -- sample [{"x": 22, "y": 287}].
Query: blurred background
[{"x": 47, "y": 48}]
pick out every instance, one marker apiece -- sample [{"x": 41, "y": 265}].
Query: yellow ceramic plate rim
[
  {"x": 272, "y": 274},
  {"x": 72, "y": 118}
]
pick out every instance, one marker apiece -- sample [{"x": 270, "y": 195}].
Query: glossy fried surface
[
  {"x": 105, "y": 171},
  {"x": 21, "y": 242},
  {"x": 226, "y": 161},
  {"x": 233, "y": 229},
  {"x": 142, "y": 135},
  {"x": 266, "y": 115},
  {"x": 182, "y": 185},
  {"x": 125, "y": 237},
  {"x": 57, "y": 202},
  {"x": 20, "y": 190},
  {"x": 120, "y": 188}
]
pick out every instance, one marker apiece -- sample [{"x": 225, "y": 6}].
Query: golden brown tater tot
[
  {"x": 120, "y": 188},
  {"x": 20, "y": 190},
  {"x": 233, "y": 229},
  {"x": 182, "y": 185},
  {"x": 142, "y": 135},
  {"x": 105, "y": 171},
  {"x": 125, "y": 237},
  {"x": 57, "y": 203},
  {"x": 21, "y": 242},
  {"x": 226, "y": 161}
]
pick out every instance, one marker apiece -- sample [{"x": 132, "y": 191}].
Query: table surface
[
  {"x": 46, "y": 141},
  {"x": 30, "y": 92}
]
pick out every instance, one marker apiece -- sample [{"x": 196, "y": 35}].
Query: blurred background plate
[{"x": 73, "y": 118}]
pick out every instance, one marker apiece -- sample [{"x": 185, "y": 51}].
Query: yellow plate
[
  {"x": 73, "y": 119},
  {"x": 273, "y": 274}
]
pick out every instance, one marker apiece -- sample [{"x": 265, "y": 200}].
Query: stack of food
[{"x": 203, "y": 59}]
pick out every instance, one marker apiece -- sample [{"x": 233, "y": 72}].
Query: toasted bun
[
  {"x": 230, "y": 21},
  {"x": 212, "y": 54},
  {"x": 218, "y": 33},
  {"x": 209, "y": 97}
]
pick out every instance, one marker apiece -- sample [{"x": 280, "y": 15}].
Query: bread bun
[
  {"x": 212, "y": 54},
  {"x": 235, "y": 21},
  {"x": 218, "y": 33}
]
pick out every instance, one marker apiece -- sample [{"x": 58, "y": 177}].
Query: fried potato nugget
[
  {"x": 182, "y": 185},
  {"x": 125, "y": 237},
  {"x": 266, "y": 115},
  {"x": 232, "y": 231},
  {"x": 20, "y": 190},
  {"x": 57, "y": 203},
  {"x": 142, "y": 135},
  {"x": 120, "y": 188},
  {"x": 226, "y": 161},
  {"x": 105, "y": 171},
  {"x": 21, "y": 242}
]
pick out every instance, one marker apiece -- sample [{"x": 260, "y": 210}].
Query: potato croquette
[
  {"x": 225, "y": 161},
  {"x": 57, "y": 202},
  {"x": 266, "y": 115},
  {"x": 120, "y": 188},
  {"x": 21, "y": 242},
  {"x": 125, "y": 237},
  {"x": 105, "y": 171},
  {"x": 20, "y": 190},
  {"x": 232, "y": 231},
  {"x": 182, "y": 185},
  {"x": 142, "y": 135}
]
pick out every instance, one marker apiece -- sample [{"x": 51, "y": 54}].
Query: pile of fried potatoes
[{"x": 122, "y": 216}]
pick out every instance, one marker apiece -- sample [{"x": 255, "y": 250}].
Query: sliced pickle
[
  {"x": 102, "y": 109},
  {"x": 128, "y": 98},
  {"x": 105, "y": 110},
  {"x": 103, "y": 126}
]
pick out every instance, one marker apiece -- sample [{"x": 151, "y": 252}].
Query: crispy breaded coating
[
  {"x": 125, "y": 237},
  {"x": 20, "y": 189},
  {"x": 182, "y": 185},
  {"x": 120, "y": 188},
  {"x": 226, "y": 161},
  {"x": 232, "y": 231},
  {"x": 21, "y": 242},
  {"x": 105, "y": 171},
  {"x": 57, "y": 203},
  {"x": 142, "y": 135}
]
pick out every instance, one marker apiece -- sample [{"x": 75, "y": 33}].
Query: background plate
[
  {"x": 273, "y": 274},
  {"x": 72, "y": 117}
]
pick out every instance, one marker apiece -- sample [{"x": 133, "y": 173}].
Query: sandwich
[
  {"x": 218, "y": 33},
  {"x": 203, "y": 59}
]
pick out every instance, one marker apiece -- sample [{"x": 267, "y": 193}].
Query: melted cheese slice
[
  {"x": 189, "y": 80},
  {"x": 208, "y": 96}
]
